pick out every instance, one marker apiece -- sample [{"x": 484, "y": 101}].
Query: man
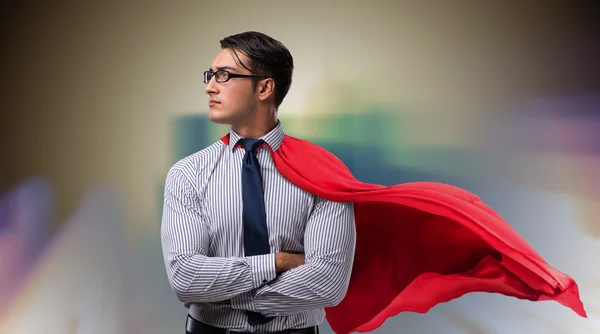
[
  {"x": 239, "y": 214},
  {"x": 245, "y": 249}
]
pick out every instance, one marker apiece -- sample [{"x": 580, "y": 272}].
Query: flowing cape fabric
[{"x": 420, "y": 244}]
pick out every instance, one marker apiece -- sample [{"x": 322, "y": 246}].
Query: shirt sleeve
[
  {"x": 329, "y": 243},
  {"x": 194, "y": 276}
]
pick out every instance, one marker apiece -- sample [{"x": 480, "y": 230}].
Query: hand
[{"x": 285, "y": 261}]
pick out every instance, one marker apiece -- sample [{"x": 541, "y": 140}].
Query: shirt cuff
[{"x": 263, "y": 269}]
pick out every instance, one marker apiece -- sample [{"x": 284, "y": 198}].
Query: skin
[{"x": 250, "y": 111}]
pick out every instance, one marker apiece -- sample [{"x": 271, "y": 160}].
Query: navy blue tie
[{"x": 256, "y": 234}]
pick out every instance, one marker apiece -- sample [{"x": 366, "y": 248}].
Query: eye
[{"x": 222, "y": 75}]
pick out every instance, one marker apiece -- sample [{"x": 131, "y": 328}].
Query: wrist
[{"x": 280, "y": 262}]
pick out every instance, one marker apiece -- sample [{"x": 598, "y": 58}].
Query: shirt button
[{"x": 264, "y": 281}]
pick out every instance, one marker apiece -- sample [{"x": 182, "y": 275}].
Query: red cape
[{"x": 420, "y": 244}]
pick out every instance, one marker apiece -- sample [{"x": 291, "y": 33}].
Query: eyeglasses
[{"x": 224, "y": 76}]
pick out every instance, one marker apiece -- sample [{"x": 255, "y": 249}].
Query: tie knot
[{"x": 251, "y": 144}]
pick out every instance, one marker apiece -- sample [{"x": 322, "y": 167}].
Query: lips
[{"x": 213, "y": 103}]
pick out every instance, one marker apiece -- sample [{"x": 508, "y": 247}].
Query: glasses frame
[{"x": 208, "y": 75}]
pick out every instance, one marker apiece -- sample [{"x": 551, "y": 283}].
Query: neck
[{"x": 258, "y": 128}]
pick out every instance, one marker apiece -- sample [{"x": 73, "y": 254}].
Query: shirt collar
[{"x": 274, "y": 138}]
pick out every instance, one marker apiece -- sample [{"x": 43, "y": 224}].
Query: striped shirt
[{"x": 203, "y": 249}]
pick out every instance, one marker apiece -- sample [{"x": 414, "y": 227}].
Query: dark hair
[{"x": 266, "y": 56}]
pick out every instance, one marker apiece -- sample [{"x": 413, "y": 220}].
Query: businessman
[
  {"x": 264, "y": 232},
  {"x": 246, "y": 250}
]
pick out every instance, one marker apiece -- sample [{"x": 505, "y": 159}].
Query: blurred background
[{"x": 100, "y": 99}]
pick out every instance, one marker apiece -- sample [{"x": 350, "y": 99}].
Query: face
[{"x": 233, "y": 102}]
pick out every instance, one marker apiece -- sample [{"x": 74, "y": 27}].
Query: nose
[{"x": 211, "y": 87}]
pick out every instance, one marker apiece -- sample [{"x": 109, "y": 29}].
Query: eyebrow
[{"x": 223, "y": 68}]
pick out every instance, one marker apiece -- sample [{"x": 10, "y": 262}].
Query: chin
[{"x": 218, "y": 117}]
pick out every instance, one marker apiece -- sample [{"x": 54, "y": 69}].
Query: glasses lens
[
  {"x": 207, "y": 76},
  {"x": 221, "y": 76}
]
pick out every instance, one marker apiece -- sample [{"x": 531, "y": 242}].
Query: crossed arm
[
  {"x": 329, "y": 243},
  {"x": 194, "y": 276}
]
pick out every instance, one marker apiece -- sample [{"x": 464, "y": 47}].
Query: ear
[{"x": 265, "y": 89}]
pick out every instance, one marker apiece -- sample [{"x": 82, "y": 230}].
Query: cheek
[{"x": 239, "y": 97}]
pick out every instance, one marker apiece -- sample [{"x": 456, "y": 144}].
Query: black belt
[{"x": 193, "y": 326}]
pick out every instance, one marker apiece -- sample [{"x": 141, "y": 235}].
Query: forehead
[{"x": 226, "y": 59}]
